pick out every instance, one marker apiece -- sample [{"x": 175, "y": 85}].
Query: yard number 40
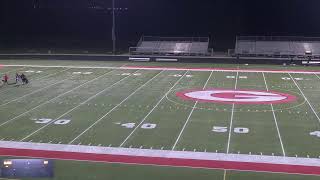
[{"x": 143, "y": 126}]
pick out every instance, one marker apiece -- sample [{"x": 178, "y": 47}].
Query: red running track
[{"x": 161, "y": 161}]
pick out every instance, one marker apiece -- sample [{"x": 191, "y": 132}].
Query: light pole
[
  {"x": 113, "y": 28},
  {"x": 113, "y": 10}
]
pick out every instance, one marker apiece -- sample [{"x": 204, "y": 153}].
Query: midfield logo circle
[{"x": 229, "y": 96}]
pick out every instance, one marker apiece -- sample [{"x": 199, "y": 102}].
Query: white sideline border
[
  {"x": 175, "y": 69},
  {"x": 280, "y": 160}
]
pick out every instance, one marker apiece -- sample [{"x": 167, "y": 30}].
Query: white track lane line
[
  {"x": 190, "y": 114},
  {"x": 155, "y": 106},
  {"x": 39, "y": 90},
  {"x": 44, "y": 103},
  {"x": 231, "y": 118},
  {"x": 275, "y": 119},
  {"x": 76, "y": 107},
  {"x": 315, "y": 113},
  {"x": 105, "y": 115}
]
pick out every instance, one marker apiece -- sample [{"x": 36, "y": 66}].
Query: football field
[{"x": 125, "y": 120}]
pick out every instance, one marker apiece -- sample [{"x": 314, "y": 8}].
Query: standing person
[
  {"x": 24, "y": 79},
  {"x": 18, "y": 78},
  {"x": 22, "y": 76},
  {"x": 5, "y": 79},
  {"x": 1, "y": 83}
]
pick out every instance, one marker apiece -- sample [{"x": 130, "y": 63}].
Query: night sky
[{"x": 72, "y": 24}]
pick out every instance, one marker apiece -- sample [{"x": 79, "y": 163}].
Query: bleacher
[
  {"x": 182, "y": 46},
  {"x": 258, "y": 46}
]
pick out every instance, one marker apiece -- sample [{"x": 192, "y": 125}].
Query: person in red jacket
[{"x": 5, "y": 79}]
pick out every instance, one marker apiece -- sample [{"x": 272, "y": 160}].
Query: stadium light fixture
[
  {"x": 7, "y": 163},
  {"x": 113, "y": 10},
  {"x": 308, "y": 52}
]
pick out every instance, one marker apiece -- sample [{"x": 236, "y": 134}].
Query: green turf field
[{"x": 135, "y": 108}]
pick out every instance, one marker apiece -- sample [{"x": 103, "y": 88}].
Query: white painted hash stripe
[
  {"x": 175, "y": 69},
  {"x": 162, "y": 153}
]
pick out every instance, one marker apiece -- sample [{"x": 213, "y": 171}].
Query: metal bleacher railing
[
  {"x": 185, "y": 46},
  {"x": 279, "y": 46}
]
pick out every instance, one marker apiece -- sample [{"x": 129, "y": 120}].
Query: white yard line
[
  {"x": 231, "y": 118},
  {"x": 105, "y": 115},
  {"x": 44, "y": 103},
  {"x": 225, "y": 175},
  {"x": 155, "y": 106},
  {"x": 315, "y": 113},
  {"x": 275, "y": 119},
  {"x": 39, "y": 90},
  {"x": 76, "y": 107},
  {"x": 190, "y": 114}
]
